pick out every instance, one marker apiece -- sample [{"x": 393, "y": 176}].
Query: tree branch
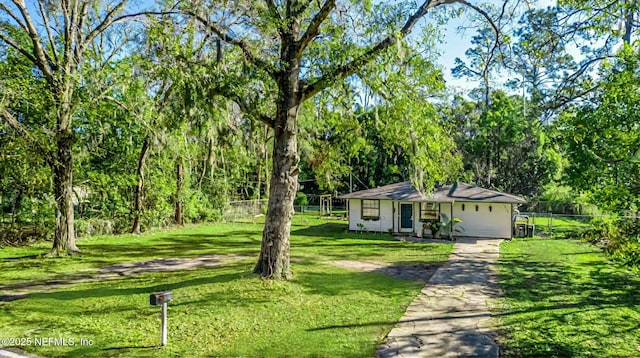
[
  {"x": 351, "y": 67},
  {"x": 242, "y": 45},
  {"x": 9, "y": 41},
  {"x": 42, "y": 62},
  {"x": 13, "y": 15},
  {"x": 296, "y": 9},
  {"x": 273, "y": 9},
  {"x": 22, "y": 130},
  {"x": 496, "y": 31},
  {"x": 84, "y": 12},
  {"x": 69, "y": 28},
  {"x": 314, "y": 26},
  {"x": 52, "y": 43},
  {"x": 108, "y": 20},
  {"x": 561, "y": 101},
  {"x": 245, "y": 108},
  {"x": 217, "y": 30}
]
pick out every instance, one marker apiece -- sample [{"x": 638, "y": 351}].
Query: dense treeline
[{"x": 122, "y": 121}]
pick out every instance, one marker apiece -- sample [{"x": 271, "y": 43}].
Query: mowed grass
[
  {"x": 563, "y": 298},
  {"x": 224, "y": 311}
]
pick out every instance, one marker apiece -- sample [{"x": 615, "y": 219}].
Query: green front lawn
[
  {"x": 225, "y": 311},
  {"x": 563, "y": 298}
]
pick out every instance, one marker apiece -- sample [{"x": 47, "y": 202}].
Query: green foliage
[
  {"x": 301, "y": 199},
  {"x": 94, "y": 227},
  {"x": 200, "y": 207},
  {"x": 618, "y": 236},
  {"x": 606, "y": 19},
  {"x": 601, "y": 231},
  {"x": 561, "y": 199},
  {"x": 602, "y": 138},
  {"x": 540, "y": 58},
  {"x": 392, "y": 135},
  {"x": 502, "y": 148},
  {"x": 447, "y": 226},
  {"x": 25, "y": 177}
]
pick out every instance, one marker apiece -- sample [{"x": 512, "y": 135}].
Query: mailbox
[{"x": 160, "y": 298}]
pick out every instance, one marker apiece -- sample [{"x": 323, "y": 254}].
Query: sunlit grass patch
[
  {"x": 563, "y": 298},
  {"x": 220, "y": 311}
]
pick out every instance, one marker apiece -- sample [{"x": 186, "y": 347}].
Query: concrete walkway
[{"x": 450, "y": 317}]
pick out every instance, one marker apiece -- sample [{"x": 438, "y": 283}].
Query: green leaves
[
  {"x": 602, "y": 137},
  {"x": 503, "y": 148}
]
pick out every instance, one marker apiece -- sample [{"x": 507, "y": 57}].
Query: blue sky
[{"x": 456, "y": 42}]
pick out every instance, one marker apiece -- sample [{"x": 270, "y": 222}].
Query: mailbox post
[{"x": 161, "y": 299}]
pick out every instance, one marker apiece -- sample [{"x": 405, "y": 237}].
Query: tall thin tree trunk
[
  {"x": 265, "y": 151},
  {"x": 628, "y": 25},
  {"x": 139, "y": 195},
  {"x": 16, "y": 204},
  {"x": 259, "y": 175},
  {"x": 207, "y": 163},
  {"x": 487, "y": 90},
  {"x": 179, "y": 200}
]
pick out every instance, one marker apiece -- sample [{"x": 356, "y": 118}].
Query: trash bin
[
  {"x": 530, "y": 230},
  {"x": 521, "y": 230}
]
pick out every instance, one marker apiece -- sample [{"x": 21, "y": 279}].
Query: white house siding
[
  {"x": 483, "y": 223},
  {"x": 382, "y": 225},
  {"x": 417, "y": 224},
  {"x": 445, "y": 208}
]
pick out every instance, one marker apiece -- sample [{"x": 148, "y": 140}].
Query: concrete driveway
[{"x": 450, "y": 317}]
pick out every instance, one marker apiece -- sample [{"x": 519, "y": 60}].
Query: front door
[{"x": 406, "y": 217}]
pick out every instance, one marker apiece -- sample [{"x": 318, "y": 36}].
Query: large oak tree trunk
[
  {"x": 139, "y": 195},
  {"x": 274, "y": 254},
  {"x": 64, "y": 241}
]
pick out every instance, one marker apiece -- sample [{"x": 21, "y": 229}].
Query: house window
[
  {"x": 490, "y": 208},
  {"x": 462, "y": 207},
  {"x": 428, "y": 211},
  {"x": 370, "y": 209},
  {"x": 477, "y": 207}
]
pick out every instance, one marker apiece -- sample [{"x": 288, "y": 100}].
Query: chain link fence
[
  {"x": 254, "y": 211},
  {"x": 547, "y": 224},
  {"x": 246, "y": 211}
]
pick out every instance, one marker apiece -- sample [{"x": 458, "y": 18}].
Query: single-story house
[{"x": 400, "y": 208}]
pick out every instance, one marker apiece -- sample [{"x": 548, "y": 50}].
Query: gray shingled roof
[{"x": 456, "y": 192}]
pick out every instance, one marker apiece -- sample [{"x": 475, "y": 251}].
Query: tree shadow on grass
[
  {"x": 20, "y": 258},
  {"x": 236, "y": 242},
  {"x": 109, "y": 292},
  {"x": 338, "y": 231},
  {"x": 566, "y": 306},
  {"x": 387, "y": 280},
  {"x": 96, "y": 255},
  {"x": 118, "y": 271}
]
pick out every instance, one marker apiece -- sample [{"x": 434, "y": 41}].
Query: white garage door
[{"x": 484, "y": 219}]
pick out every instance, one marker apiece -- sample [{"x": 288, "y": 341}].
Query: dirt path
[
  {"x": 19, "y": 291},
  {"x": 451, "y": 316}
]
